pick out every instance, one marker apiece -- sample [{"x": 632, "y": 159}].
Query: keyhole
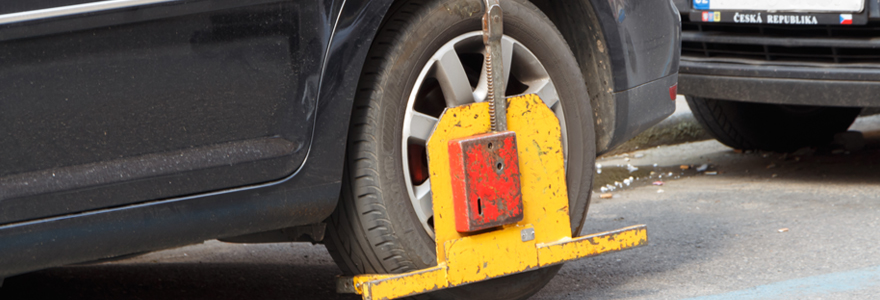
[{"x": 480, "y": 206}]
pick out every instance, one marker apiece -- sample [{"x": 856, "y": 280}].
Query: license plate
[
  {"x": 781, "y": 12},
  {"x": 824, "y": 6}
]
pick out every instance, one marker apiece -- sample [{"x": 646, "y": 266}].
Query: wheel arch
[{"x": 580, "y": 26}]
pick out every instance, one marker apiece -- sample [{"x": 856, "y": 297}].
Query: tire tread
[
  {"x": 378, "y": 238},
  {"x": 770, "y": 127}
]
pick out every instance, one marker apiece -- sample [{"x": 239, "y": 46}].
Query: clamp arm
[{"x": 493, "y": 30}]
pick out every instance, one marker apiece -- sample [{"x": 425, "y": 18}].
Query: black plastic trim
[
  {"x": 796, "y": 70},
  {"x": 779, "y": 41},
  {"x": 781, "y": 91}
]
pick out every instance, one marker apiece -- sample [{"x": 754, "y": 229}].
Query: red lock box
[{"x": 486, "y": 189}]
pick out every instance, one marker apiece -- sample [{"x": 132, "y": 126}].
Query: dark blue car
[{"x": 130, "y": 126}]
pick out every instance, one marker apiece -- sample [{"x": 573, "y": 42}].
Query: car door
[{"x": 109, "y": 103}]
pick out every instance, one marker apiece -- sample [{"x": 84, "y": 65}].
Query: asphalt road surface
[{"x": 765, "y": 226}]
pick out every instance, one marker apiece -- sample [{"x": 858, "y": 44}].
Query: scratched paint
[
  {"x": 541, "y": 167},
  {"x": 483, "y": 256},
  {"x": 591, "y": 245},
  {"x": 409, "y": 284},
  {"x": 457, "y": 122},
  {"x": 485, "y": 181}
]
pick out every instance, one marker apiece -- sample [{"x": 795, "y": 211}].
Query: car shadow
[{"x": 171, "y": 281}]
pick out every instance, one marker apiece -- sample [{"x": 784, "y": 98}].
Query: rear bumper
[
  {"x": 641, "y": 107},
  {"x": 795, "y": 84}
]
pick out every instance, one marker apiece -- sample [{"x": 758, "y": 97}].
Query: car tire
[
  {"x": 375, "y": 228},
  {"x": 770, "y": 127}
]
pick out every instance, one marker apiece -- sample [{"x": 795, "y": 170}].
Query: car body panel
[
  {"x": 305, "y": 197},
  {"x": 628, "y": 51},
  {"x": 641, "y": 38},
  {"x": 158, "y": 101},
  {"x": 642, "y": 43}
]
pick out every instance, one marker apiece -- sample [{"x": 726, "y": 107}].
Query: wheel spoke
[
  {"x": 482, "y": 89},
  {"x": 421, "y": 126},
  {"x": 423, "y": 194},
  {"x": 453, "y": 79},
  {"x": 452, "y": 75},
  {"x": 507, "y": 59},
  {"x": 546, "y": 90}
]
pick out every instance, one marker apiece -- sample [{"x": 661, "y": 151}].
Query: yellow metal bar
[
  {"x": 406, "y": 284},
  {"x": 374, "y": 287},
  {"x": 592, "y": 245}
]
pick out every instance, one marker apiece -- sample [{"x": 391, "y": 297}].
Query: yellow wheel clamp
[{"x": 500, "y": 199}]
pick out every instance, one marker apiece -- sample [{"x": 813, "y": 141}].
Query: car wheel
[
  {"x": 770, "y": 127},
  {"x": 427, "y": 56}
]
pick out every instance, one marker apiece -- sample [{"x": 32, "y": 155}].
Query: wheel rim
[{"x": 455, "y": 75}]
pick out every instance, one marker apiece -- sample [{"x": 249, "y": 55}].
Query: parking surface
[
  {"x": 808, "y": 232},
  {"x": 766, "y": 226}
]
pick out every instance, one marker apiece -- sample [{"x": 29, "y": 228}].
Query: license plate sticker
[
  {"x": 777, "y": 18},
  {"x": 818, "y": 6}
]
